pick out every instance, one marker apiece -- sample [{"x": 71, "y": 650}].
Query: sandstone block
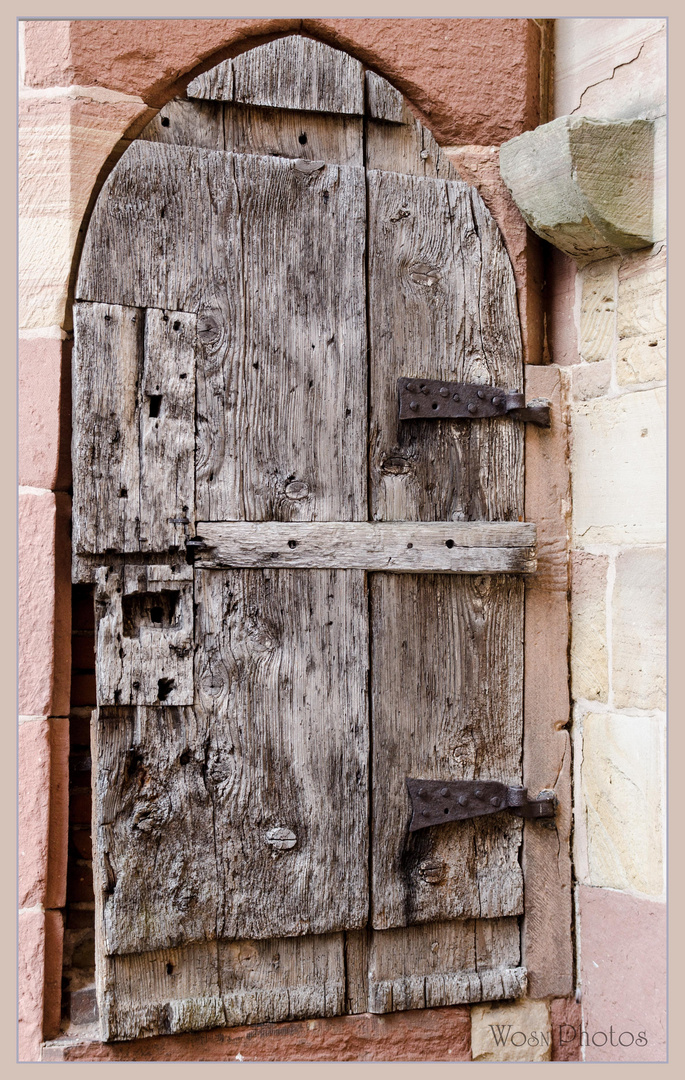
[
  {"x": 623, "y": 973},
  {"x": 589, "y": 666},
  {"x": 623, "y": 782},
  {"x": 610, "y": 67},
  {"x": 566, "y": 1020},
  {"x": 34, "y": 810},
  {"x": 598, "y": 310},
  {"x": 436, "y": 62},
  {"x": 560, "y": 287},
  {"x": 43, "y": 414},
  {"x": 639, "y": 629},
  {"x": 641, "y": 321},
  {"x": 63, "y": 146},
  {"x": 421, "y": 1035},
  {"x": 584, "y": 185},
  {"x": 52, "y": 985},
  {"x": 31, "y": 949},
  {"x": 512, "y": 1031},
  {"x": 44, "y": 604},
  {"x": 618, "y": 469},
  {"x": 591, "y": 380}
]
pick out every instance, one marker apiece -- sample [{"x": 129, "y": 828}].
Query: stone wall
[
  {"x": 88, "y": 88},
  {"x": 607, "y": 327}
]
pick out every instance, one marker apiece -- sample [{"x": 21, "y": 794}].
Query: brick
[
  {"x": 479, "y": 166},
  {"x": 52, "y": 991},
  {"x": 623, "y": 974},
  {"x": 641, "y": 323},
  {"x": 589, "y": 657},
  {"x": 437, "y": 63},
  {"x": 58, "y": 838},
  {"x": 598, "y": 310},
  {"x": 591, "y": 380},
  {"x": 639, "y": 629},
  {"x": 421, "y": 1035},
  {"x": 83, "y": 1008},
  {"x": 31, "y": 949},
  {"x": 44, "y": 427},
  {"x": 80, "y": 883},
  {"x": 623, "y": 777},
  {"x": 80, "y": 918},
  {"x": 566, "y": 1020},
  {"x": 82, "y": 842},
  {"x": 618, "y": 470},
  {"x": 511, "y": 1031}
]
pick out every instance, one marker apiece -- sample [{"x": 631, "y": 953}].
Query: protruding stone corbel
[{"x": 584, "y": 185}]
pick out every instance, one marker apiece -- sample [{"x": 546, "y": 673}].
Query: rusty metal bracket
[
  {"x": 432, "y": 399},
  {"x": 436, "y": 801}
]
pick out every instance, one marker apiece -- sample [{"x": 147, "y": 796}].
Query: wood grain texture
[
  {"x": 108, "y": 348},
  {"x": 442, "y": 304},
  {"x": 547, "y": 938},
  {"x": 306, "y": 135},
  {"x": 167, "y": 429},
  {"x": 394, "y": 139},
  {"x": 442, "y": 547},
  {"x": 188, "y": 123},
  {"x": 458, "y": 718},
  {"x": 449, "y": 963},
  {"x": 282, "y": 434},
  {"x": 144, "y": 635},
  {"x": 199, "y": 986},
  {"x": 282, "y": 672},
  {"x": 290, "y": 73}
]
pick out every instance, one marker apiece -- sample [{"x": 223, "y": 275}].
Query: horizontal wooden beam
[{"x": 460, "y": 547}]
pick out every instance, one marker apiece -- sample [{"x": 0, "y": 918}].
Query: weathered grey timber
[
  {"x": 290, "y": 73},
  {"x": 144, "y": 634},
  {"x": 360, "y": 584},
  {"x": 461, "y": 720},
  {"x": 434, "y": 547}
]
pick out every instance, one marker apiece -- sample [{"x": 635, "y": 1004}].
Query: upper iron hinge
[
  {"x": 432, "y": 399},
  {"x": 434, "y": 802}
]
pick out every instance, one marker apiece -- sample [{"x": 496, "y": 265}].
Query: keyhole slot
[{"x": 155, "y": 405}]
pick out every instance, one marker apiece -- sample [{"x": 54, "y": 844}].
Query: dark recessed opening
[
  {"x": 156, "y": 609},
  {"x": 123, "y": 493},
  {"x": 165, "y": 121},
  {"x": 170, "y": 969},
  {"x": 155, "y": 404},
  {"x": 164, "y": 688},
  {"x": 177, "y": 325},
  {"x": 302, "y": 139},
  {"x": 292, "y": 543},
  {"x": 156, "y": 614},
  {"x": 449, "y": 543}
]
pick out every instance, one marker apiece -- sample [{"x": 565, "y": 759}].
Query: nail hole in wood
[
  {"x": 177, "y": 325},
  {"x": 165, "y": 121},
  {"x": 302, "y": 139},
  {"x": 292, "y": 543},
  {"x": 449, "y": 543},
  {"x": 123, "y": 493},
  {"x": 164, "y": 688},
  {"x": 169, "y": 967},
  {"x": 155, "y": 404}
]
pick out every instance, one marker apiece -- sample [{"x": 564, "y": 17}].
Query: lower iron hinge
[{"x": 437, "y": 801}]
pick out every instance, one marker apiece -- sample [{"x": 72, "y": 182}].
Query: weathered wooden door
[{"x": 301, "y": 599}]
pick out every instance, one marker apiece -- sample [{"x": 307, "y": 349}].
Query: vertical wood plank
[
  {"x": 457, "y": 716},
  {"x": 287, "y": 406},
  {"x": 108, "y": 349},
  {"x": 395, "y": 140},
  {"x": 282, "y": 671},
  {"x": 167, "y": 430}
]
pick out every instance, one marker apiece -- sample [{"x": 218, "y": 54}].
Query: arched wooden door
[{"x": 302, "y": 600}]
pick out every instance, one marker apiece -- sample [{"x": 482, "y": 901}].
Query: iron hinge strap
[
  {"x": 435, "y": 802},
  {"x": 432, "y": 399}
]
